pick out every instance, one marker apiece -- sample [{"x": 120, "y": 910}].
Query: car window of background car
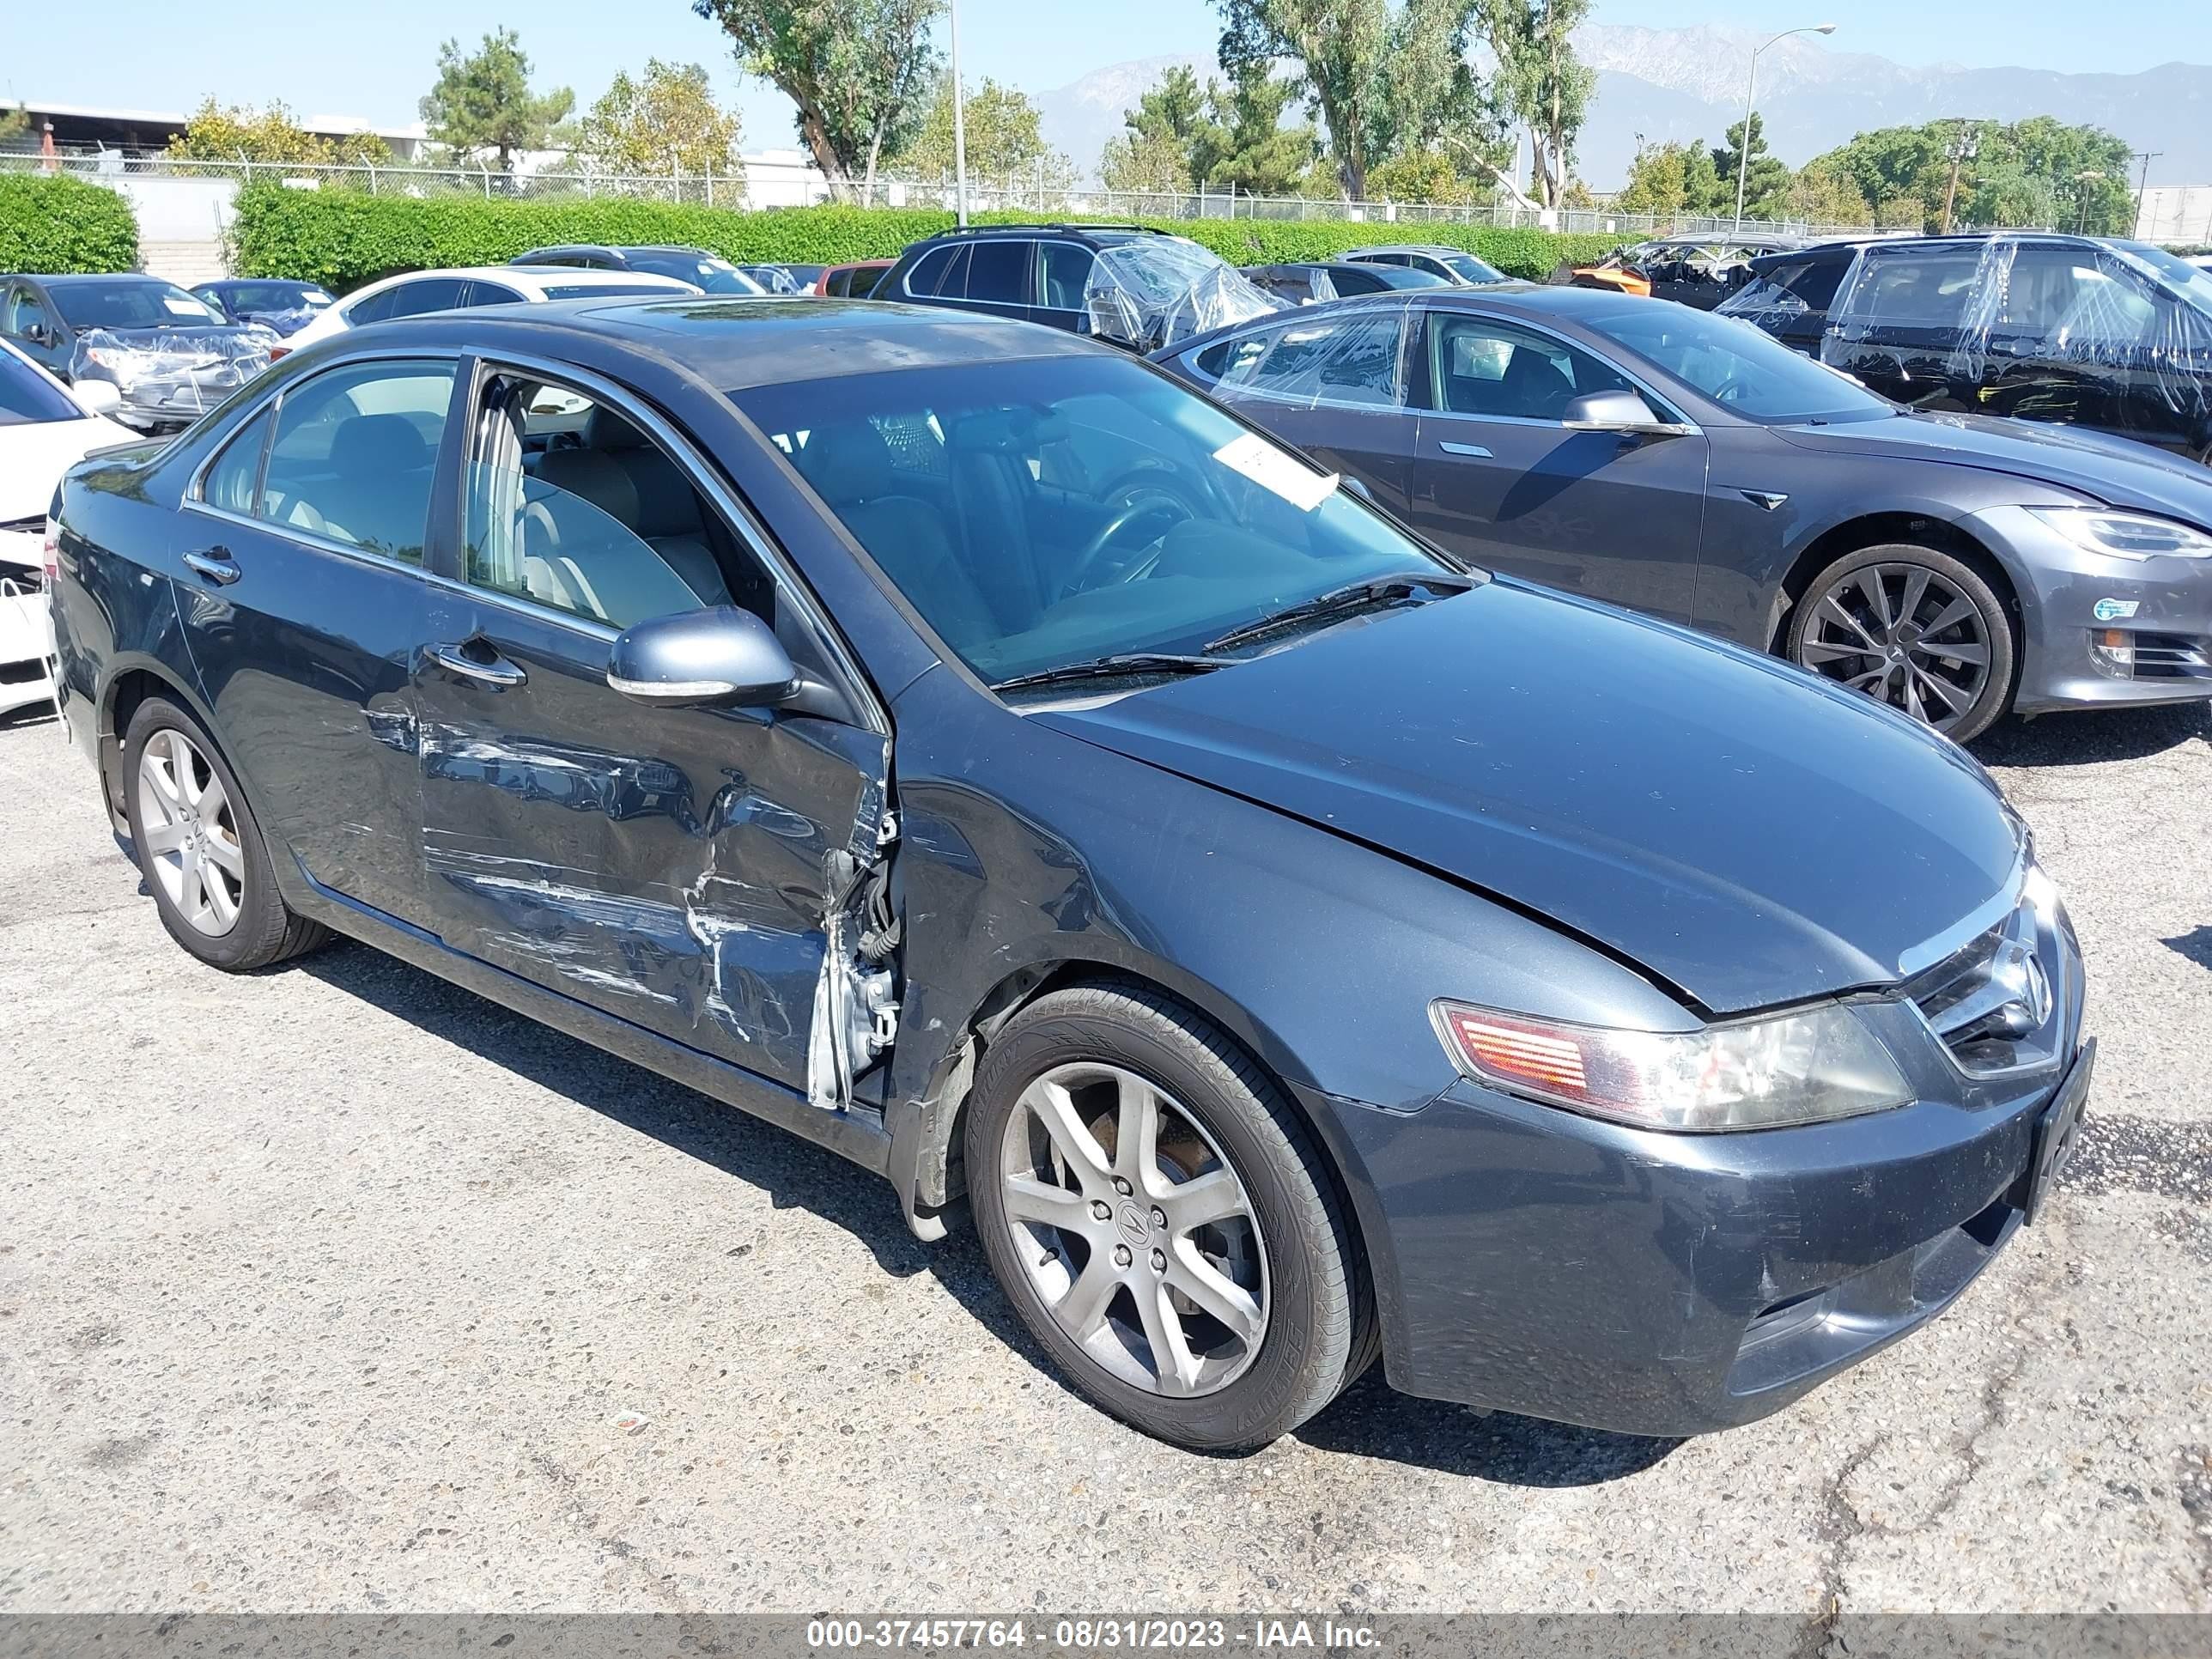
[
  {"x": 715, "y": 276},
  {"x": 229, "y": 484},
  {"x": 1477, "y": 366},
  {"x": 272, "y": 297},
  {"x": 131, "y": 304},
  {"x": 927, "y": 272},
  {"x": 1921, "y": 290},
  {"x": 354, "y": 455},
  {"x": 1065, "y": 268},
  {"x": 21, "y": 310},
  {"x": 991, "y": 554},
  {"x": 431, "y": 293},
  {"x": 570, "y": 506},
  {"x": 2060, "y": 296},
  {"x": 1795, "y": 288},
  {"x": 2190, "y": 280},
  {"x": 1338, "y": 360},
  {"x": 28, "y": 398},
  {"x": 1746, "y": 371},
  {"x": 1467, "y": 267},
  {"x": 999, "y": 271},
  {"x": 602, "y": 291},
  {"x": 481, "y": 292}
]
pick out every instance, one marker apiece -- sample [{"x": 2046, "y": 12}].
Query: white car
[
  {"x": 419, "y": 291},
  {"x": 45, "y": 430}
]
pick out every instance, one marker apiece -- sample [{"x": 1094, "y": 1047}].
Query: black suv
[
  {"x": 687, "y": 264},
  {"x": 2112, "y": 335},
  {"x": 1124, "y": 284}
]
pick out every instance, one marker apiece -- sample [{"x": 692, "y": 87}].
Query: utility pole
[
  {"x": 1963, "y": 150},
  {"x": 959, "y": 127},
  {"x": 2146, "y": 156}
]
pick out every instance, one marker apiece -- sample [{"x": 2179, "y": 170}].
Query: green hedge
[
  {"x": 51, "y": 223},
  {"x": 344, "y": 238}
]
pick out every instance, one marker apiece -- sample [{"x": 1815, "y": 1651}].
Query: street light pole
[
  {"x": 1750, "y": 92},
  {"x": 959, "y": 127}
]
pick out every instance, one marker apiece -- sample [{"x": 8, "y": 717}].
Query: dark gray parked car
[
  {"x": 960, "y": 744},
  {"x": 1686, "y": 465}
]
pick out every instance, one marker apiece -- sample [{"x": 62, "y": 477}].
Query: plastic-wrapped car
[
  {"x": 1701, "y": 271},
  {"x": 2112, "y": 336}
]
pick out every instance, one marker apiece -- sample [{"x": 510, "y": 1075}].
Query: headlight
[
  {"x": 1802, "y": 1067},
  {"x": 2125, "y": 535}
]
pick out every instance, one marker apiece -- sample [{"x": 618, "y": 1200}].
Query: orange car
[{"x": 1691, "y": 271}]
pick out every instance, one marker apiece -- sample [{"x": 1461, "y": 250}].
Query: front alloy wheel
[{"x": 1914, "y": 628}]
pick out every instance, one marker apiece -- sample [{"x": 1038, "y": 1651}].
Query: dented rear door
[{"x": 670, "y": 866}]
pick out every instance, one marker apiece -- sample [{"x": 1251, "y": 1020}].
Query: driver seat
[{"x": 849, "y": 465}]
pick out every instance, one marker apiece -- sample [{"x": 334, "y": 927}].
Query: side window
[
  {"x": 231, "y": 482},
  {"x": 1478, "y": 367},
  {"x": 481, "y": 292},
  {"x": 1922, "y": 291},
  {"x": 571, "y": 506},
  {"x": 21, "y": 310},
  {"x": 432, "y": 294},
  {"x": 952, "y": 281},
  {"x": 374, "y": 308},
  {"x": 1341, "y": 359},
  {"x": 2073, "y": 304},
  {"x": 1064, "y": 272},
  {"x": 355, "y": 452},
  {"x": 999, "y": 271},
  {"x": 921, "y": 279}
]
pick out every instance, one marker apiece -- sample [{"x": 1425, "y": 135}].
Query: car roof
[
  {"x": 1101, "y": 235},
  {"x": 79, "y": 278},
  {"x": 1437, "y": 248},
  {"x": 735, "y": 344}
]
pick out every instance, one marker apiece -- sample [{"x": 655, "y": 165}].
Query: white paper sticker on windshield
[
  {"x": 1273, "y": 471},
  {"x": 186, "y": 307}
]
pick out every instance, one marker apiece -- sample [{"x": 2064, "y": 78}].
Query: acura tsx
[{"x": 962, "y": 744}]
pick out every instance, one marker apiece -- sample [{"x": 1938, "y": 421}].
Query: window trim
[
  {"x": 703, "y": 477},
  {"x": 1668, "y": 409},
  {"x": 194, "y": 498}
]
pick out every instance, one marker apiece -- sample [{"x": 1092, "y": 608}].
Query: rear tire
[
  {"x": 1914, "y": 628},
  {"x": 1262, "y": 1312},
  {"x": 199, "y": 848}
]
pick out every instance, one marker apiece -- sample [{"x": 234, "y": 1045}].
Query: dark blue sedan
[
  {"x": 962, "y": 744},
  {"x": 285, "y": 306}
]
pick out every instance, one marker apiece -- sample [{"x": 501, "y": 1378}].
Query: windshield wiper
[
  {"x": 1348, "y": 600},
  {"x": 1120, "y": 666}
]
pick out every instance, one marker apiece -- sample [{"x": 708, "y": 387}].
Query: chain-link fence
[{"x": 779, "y": 183}]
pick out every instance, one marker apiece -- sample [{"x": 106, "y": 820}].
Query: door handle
[
  {"x": 215, "y": 564},
  {"x": 1474, "y": 451},
  {"x": 498, "y": 673}
]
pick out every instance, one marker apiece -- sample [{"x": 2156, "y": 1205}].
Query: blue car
[
  {"x": 958, "y": 742},
  {"x": 286, "y": 307}
]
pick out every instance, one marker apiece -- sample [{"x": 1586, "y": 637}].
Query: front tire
[
  {"x": 199, "y": 848},
  {"x": 1915, "y": 628},
  {"x": 1161, "y": 1221}
]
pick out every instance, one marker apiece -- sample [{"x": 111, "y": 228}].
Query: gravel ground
[{"x": 334, "y": 1287}]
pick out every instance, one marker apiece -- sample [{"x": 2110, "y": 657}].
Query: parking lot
[{"x": 336, "y": 1288}]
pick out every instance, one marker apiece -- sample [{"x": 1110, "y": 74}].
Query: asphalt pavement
[{"x": 336, "y": 1288}]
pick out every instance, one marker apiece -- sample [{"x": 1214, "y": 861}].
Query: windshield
[
  {"x": 276, "y": 297},
  {"x": 127, "y": 302},
  {"x": 1469, "y": 269},
  {"x": 1050, "y": 511},
  {"x": 1730, "y": 361},
  {"x": 703, "y": 270},
  {"x": 28, "y": 398},
  {"x": 2192, "y": 283}
]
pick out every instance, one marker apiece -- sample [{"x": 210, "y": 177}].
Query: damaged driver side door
[{"x": 696, "y": 871}]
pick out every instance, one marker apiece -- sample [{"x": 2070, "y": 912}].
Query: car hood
[
  {"x": 2112, "y": 471},
  {"x": 1744, "y": 833},
  {"x": 34, "y": 455}
]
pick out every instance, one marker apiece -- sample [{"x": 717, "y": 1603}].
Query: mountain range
[{"x": 1688, "y": 83}]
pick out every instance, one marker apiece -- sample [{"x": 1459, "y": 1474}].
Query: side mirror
[
  {"x": 36, "y": 334},
  {"x": 1618, "y": 411},
  {"x": 98, "y": 396},
  {"x": 722, "y": 657}
]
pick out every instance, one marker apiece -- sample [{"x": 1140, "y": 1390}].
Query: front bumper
[
  {"x": 1528, "y": 1259},
  {"x": 2069, "y": 598}
]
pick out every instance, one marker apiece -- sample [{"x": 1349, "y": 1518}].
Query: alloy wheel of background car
[
  {"x": 199, "y": 848},
  {"x": 1161, "y": 1221},
  {"x": 1913, "y": 627},
  {"x": 1137, "y": 1233}
]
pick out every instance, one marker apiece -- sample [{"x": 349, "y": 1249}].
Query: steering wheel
[{"x": 1142, "y": 502}]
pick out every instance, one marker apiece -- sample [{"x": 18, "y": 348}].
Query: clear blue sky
[{"x": 375, "y": 59}]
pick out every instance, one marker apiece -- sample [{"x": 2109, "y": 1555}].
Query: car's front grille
[
  {"x": 2171, "y": 657},
  {"x": 1998, "y": 1003}
]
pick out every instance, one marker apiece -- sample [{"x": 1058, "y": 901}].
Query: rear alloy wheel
[
  {"x": 1914, "y": 627},
  {"x": 1162, "y": 1221},
  {"x": 199, "y": 848}
]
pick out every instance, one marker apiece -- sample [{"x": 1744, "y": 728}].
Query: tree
[
  {"x": 1153, "y": 151},
  {"x": 238, "y": 133},
  {"x": 1243, "y": 143},
  {"x": 1419, "y": 175},
  {"x": 1339, "y": 48},
  {"x": 1671, "y": 179},
  {"x": 1822, "y": 194},
  {"x": 13, "y": 122},
  {"x": 664, "y": 121},
  {"x": 859, "y": 72},
  {"x": 1540, "y": 82},
  {"x": 1767, "y": 180},
  {"x": 483, "y": 101},
  {"x": 2035, "y": 172},
  {"x": 1005, "y": 139}
]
